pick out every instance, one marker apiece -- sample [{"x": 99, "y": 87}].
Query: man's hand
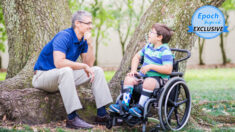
[
  {"x": 145, "y": 69},
  {"x": 89, "y": 72},
  {"x": 88, "y": 37}
]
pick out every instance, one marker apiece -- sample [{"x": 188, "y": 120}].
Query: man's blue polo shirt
[{"x": 65, "y": 41}]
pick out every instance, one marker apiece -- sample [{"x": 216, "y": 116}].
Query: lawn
[{"x": 205, "y": 85}]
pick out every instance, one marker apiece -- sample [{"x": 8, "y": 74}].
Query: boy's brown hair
[{"x": 163, "y": 30}]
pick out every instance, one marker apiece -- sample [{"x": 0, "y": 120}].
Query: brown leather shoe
[
  {"x": 101, "y": 120},
  {"x": 77, "y": 123}
]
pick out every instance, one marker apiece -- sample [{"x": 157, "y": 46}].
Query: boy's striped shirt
[{"x": 159, "y": 56}]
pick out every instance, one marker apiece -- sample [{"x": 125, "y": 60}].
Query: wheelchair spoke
[
  {"x": 177, "y": 117},
  {"x": 170, "y": 101},
  {"x": 177, "y": 93},
  {"x": 170, "y": 113},
  {"x": 181, "y": 102}
]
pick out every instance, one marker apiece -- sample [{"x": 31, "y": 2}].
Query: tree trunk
[
  {"x": 201, "y": 45},
  {"x": 224, "y": 58},
  {"x": 175, "y": 14},
  {"x": 30, "y": 25}
]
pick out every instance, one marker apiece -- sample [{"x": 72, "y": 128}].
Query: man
[{"x": 57, "y": 69}]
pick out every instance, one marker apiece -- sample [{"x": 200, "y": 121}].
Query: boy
[{"x": 157, "y": 65}]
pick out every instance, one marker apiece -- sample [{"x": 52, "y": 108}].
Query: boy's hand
[
  {"x": 145, "y": 69},
  {"x": 132, "y": 73}
]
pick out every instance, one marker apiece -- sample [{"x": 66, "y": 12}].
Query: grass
[
  {"x": 211, "y": 84},
  {"x": 109, "y": 75},
  {"x": 2, "y": 76}
]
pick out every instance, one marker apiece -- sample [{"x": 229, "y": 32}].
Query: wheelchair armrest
[{"x": 177, "y": 74}]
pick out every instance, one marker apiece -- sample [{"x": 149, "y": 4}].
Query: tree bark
[
  {"x": 200, "y": 47},
  {"x": 33, "y": 106},
  {"x": 30, "y": 25},
  {"x": 175, "y": 14},
  {"x": 224, "y": 58}
]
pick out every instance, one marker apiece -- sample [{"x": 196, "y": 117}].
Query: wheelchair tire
[
  {"x": 109, "y": 124},
  {"x": 168, "y": 103}
]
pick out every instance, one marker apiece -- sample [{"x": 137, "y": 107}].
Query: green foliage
[
  {"x": 228, "y": 5},
  {"x": 74, "y": 5},
  {"x": 3, "y": 34},
  {"x": 127, "y": 15}
]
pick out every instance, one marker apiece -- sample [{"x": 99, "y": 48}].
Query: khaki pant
[{"x": 65, "y": 80}]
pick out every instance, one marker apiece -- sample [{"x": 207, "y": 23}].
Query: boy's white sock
[{"x": 144, "y": 98}]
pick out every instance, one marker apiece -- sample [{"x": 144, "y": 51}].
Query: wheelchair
[{"x": 168, "y": 108}]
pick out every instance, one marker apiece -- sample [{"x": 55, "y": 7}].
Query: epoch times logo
[{"x": 208, "y": 22}]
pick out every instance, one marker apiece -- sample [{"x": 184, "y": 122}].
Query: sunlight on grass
[
  {"x": 2, "y": 76},
  {"x": 210, "y": 74},
  {"x": 109, "y": 75},
  {"x": 211, "y": 84}
]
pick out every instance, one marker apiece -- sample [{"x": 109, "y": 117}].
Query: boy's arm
[
  {"x": 135, "y": 62},
  {"x": 164, "y": 69}
]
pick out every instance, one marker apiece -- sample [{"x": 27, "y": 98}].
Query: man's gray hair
[{"x": 79, "y": 15}]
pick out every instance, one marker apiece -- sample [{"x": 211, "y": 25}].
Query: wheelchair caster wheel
[{"x": 109, "y": 124}]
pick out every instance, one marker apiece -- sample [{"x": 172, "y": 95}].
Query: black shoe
[
  {"x": 101, "y": 120},
  {"x": 77, "y": 123}
]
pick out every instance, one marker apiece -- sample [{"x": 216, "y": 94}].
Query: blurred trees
[
  {"x": 201, "y": 42},
  {"x": 227, "y": 6},
  {"x": 122, "y": 16},
  {"x": 3, "y": 34}
]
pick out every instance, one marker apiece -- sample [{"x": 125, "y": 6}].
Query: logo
[{"x": 208, "y": 22}]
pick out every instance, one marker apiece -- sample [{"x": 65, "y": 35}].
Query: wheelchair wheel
[
  {"x": 109, "y": 123},
  {"x": 174, "y": 104}
]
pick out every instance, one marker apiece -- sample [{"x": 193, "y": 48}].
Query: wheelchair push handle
[{"x": 183, "y": 51}]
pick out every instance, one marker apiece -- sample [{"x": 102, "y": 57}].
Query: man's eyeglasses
[{"x": 87, "y": 23}]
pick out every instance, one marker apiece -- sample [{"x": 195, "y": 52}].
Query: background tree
[
  {"x": 127, "y": 14},
  {"x": 30, "y": 25},
  {"x": 227, "y": 6},
  {"x": 101, "y": 22},
  {"x": 201, "y": 42},
  {"x": 3, "y": 34}
]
